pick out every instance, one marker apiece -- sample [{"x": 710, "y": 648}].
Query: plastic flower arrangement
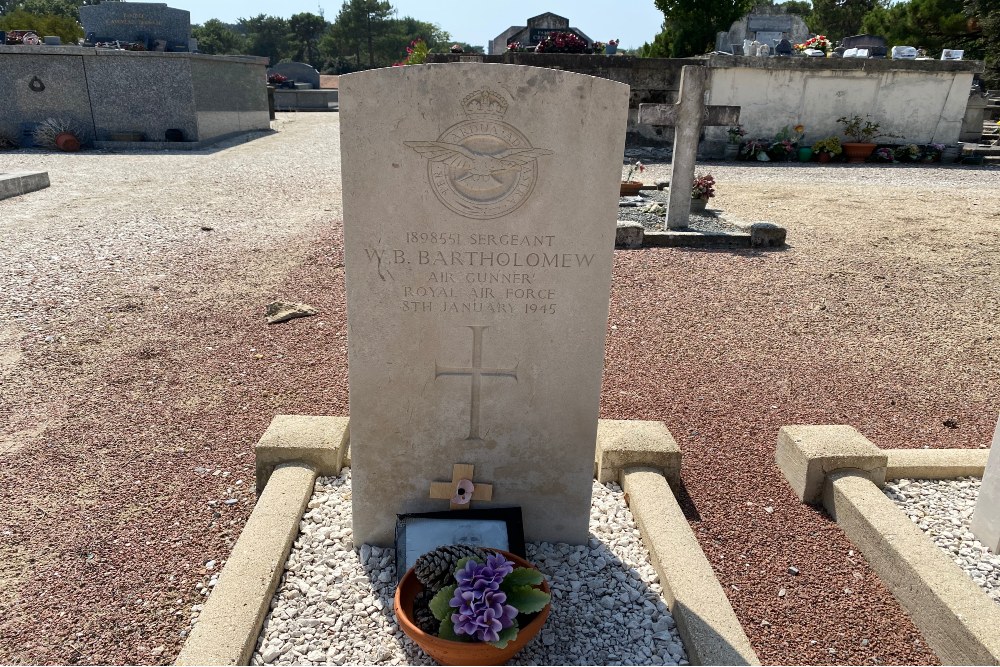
[
  {"x": 276, "y": 79},
  {"x": 752, "y": 149},
  {"x": 599, "y": 48},
  {"x": 932, "y": 152},
  {"x": 631, "y": 169},
  {"x": 829, "y": 145},
  {"x": 703, "y": 187},
  {"x": 514, "y": 46},
  {"x": 908, "y": 153},
  {"x": 884, "y": 154},
  {"x": 486, "y": 600},
  {"x": 613, "y": 42},
  {"x": 735, "y": 132},
  {"x": 818, "y": 42},
  {"x": 562, "y": 42}
]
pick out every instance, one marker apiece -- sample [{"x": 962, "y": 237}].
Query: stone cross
[
  {"x": 986, "y": 518},
  {"x": 461, "y": 490},
  {"x": 477, "y": 316},
  {"x": 687, "y": 117}
]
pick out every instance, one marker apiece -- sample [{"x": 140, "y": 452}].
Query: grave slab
[
  {"x": 986, "y": 518},
  {"x": 22, "y": 182},
  {"x": 478, "y": 276}
]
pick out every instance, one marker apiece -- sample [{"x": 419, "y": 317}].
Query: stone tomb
[
  {"x": 478, "y": 250},
  {"x": 145, "y": 22},
  {"x": 986, "y": 518}
]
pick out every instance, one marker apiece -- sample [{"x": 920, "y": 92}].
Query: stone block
[
  {"x": 298, "y": 72},
  {"x": 767, "y": 235},
  {"x": 318, "y": 441},
  {"x": 986, "y": 519},
  {"x": 629, "y": 234},
  {"x": 807, "y": 454},
  {"x": 22, "y": 182},
  {"x": 624, "y": 443}
]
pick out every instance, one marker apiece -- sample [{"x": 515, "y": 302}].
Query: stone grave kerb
[{"x": 687, "y": 117}]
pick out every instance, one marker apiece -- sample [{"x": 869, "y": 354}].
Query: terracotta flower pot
[
  {"x": 448, "y": 652},
  {"x": 65, "y": 141},
  {"x": 858, "y": 153},
  {"x": 823, "y": 157},
  {"x": 630, "y": 188}
]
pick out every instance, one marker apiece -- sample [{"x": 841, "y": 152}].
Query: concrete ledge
[
  {"x": 956, "y": 618},
  {"x": 679, "y": 239},
  {"x": 629, "y": 234},
  {"x": 227, "y": 628},
  {"x": 707, "y": 623},
  {"x": 807, "y": 454},
  {"x": 22, "y": 182},
  {"x": 935, "y": 463},
  {"x": 624, "y": 443},
  {"x": 320, "y": 442}
]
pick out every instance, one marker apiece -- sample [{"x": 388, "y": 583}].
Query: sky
[{"x": 473, "y": 22}]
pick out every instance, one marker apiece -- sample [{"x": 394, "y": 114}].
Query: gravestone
[
  {"x": 876, "y": 47},
  {"x": 687, "y": 117},
  {"x": 986, "y": 518},
  {"x": 769, "y": 39},
  {"x": 478, "y": 258},
  {"x": 143, "y": 22},
  {"x": 299, "y": 72}
]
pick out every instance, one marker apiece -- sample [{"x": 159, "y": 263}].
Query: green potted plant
[
  {"x": 734, "y": 134},
  {"x": 628, "y": 187},
  {"x": 468, "y": 606},
  {"x": 863, "y": 131},
  {"x": 702, "y": 189},
  {"x": 827, "y": 149}
]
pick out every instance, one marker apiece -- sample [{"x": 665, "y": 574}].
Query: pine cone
[
  {"x": 436, "y": 569},
  {"x": 422, "y": 613}
]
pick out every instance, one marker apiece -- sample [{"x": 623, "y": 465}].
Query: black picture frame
[{"x": 510, "y": 517}]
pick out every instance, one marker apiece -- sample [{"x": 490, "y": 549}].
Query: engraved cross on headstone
[
  {"x": 687, "y": 117},
  {"x": 476, "y": 372}
]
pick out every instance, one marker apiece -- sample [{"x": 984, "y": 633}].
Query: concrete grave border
[
  {"x": 838, "y": 467},
  {"x": 22, "y": 182},
  {"x": 762, "y": 235},
  {"x": 641, "y": 455}
]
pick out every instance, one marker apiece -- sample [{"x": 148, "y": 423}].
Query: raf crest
[{"x": 481, "y": 168}]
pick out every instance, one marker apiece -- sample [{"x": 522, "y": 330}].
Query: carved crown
[{"x": 485, "y": 104}]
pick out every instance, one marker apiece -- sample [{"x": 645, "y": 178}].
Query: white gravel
[
  {"x": 334, "y": 604},
  {"x": 943, "y": 509}
]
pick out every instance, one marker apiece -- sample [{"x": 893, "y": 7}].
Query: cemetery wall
[
  {"x": 105, "y": 92},
  {"x": 924, "y": 101}
]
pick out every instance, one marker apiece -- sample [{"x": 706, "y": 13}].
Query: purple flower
[{"x": 480, "y": 606}]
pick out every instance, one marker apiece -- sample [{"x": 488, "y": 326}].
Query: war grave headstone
[
  {"x": 478, "y": 258},
  {"x": 986, "y": 518},
  {"x": 143, "y": 22}
]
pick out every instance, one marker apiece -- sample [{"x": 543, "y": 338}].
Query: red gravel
[{"x": 112, "y": 428}]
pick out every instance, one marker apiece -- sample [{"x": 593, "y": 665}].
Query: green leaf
[
  {"x": 447, "y": 631},
  {"x": 440, "y": 604},
  {"x": 528, "y": 600},
  {"x": 522, "y": 576},
  {"x": 506, "y": 635},
  {"x": 462, "y": 563}
]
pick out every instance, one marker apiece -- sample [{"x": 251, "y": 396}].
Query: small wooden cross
[
  {"x": 687, "y": 118},
  {"x": 458, "y": 490}
]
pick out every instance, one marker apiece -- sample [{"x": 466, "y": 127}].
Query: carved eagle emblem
[{"x": 479, "y": 165}]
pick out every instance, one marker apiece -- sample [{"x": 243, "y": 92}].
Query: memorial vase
[
  {"x": 630, "y": 188},
  {"x": 698, "y": 205}
]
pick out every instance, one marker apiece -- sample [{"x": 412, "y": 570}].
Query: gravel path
[
  {"x": 943, "y": 509},
  {"x": 334, "y": 604},
  {"x": 139, "y": 364}
]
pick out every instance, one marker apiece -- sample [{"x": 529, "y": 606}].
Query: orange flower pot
[
  {"x": 858, "y": 153},
  {"x": 65, "y": 141},
  {"x": 447, "y": 652},
  {"x": 630, "y": 188}
]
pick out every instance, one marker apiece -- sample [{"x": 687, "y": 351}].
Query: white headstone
[
  {"x": 986, "y": 518},
  {"x": 479, "y": 208}
]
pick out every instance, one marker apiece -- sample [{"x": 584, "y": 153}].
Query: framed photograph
[{"x": 496, "y": 528}]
